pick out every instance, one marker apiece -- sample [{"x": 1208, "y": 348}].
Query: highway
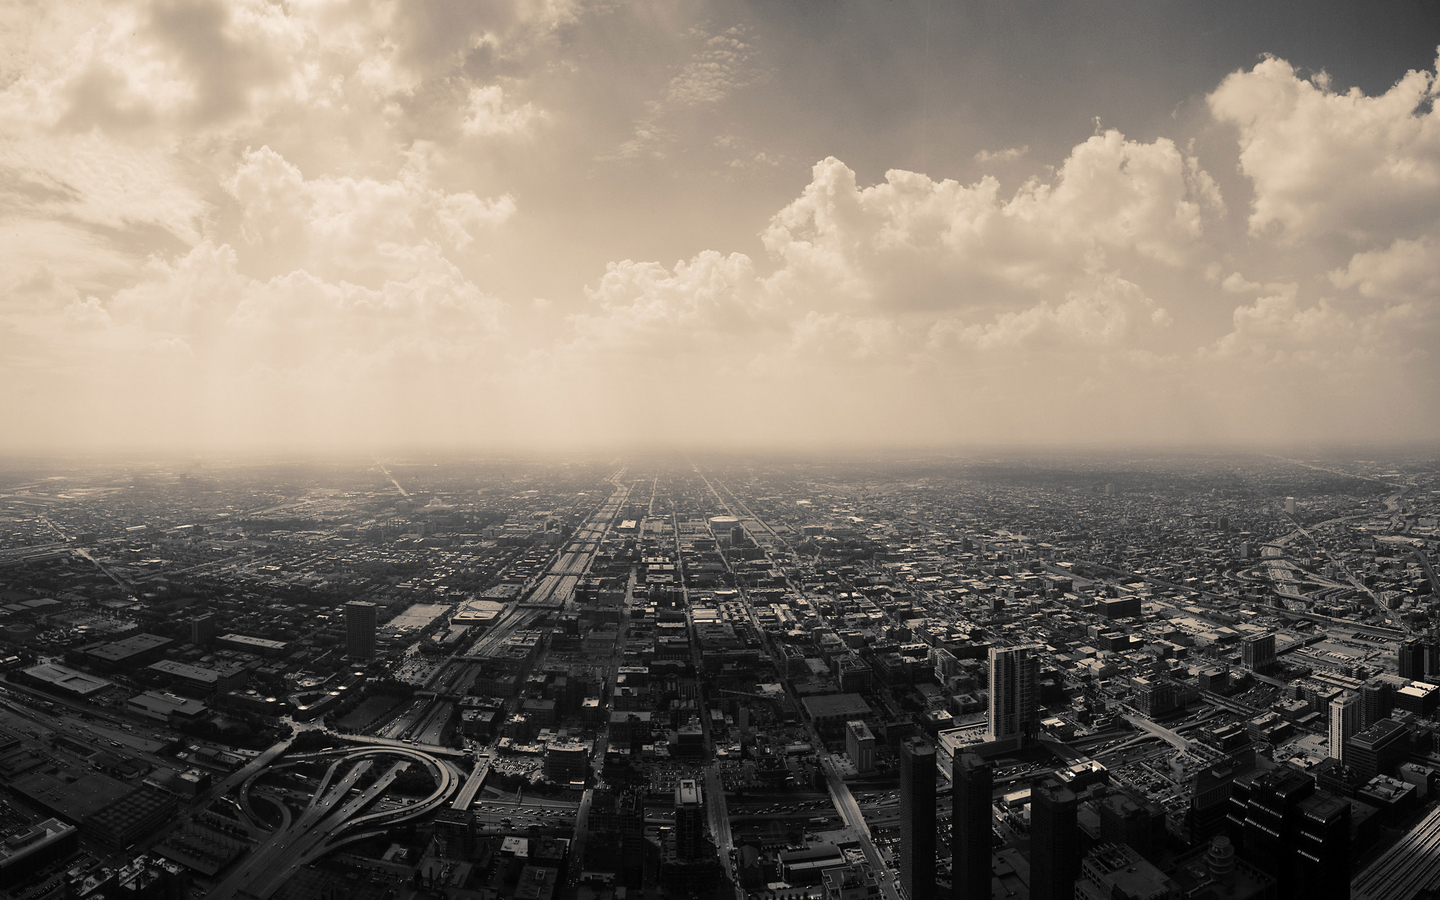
[
  {"x": 402, "y": 491},
  {"x": 1159, "y": 731},
  {"x": 246, "y": 773},
  {"x": 850, "y": 811},
  {"x": 331, "y": 811},
  {"x": 466, "y": 795},
  {"x": 556, "y": 588},
  {"x": 720, "y": 822}
]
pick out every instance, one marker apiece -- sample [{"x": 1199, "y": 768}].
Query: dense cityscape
[{"x": 910, "y": 678}]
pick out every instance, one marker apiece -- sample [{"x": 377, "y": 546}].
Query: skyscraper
[
  {"x": 1054, "y": 840},
  {"x": 972, "y": 824},
  {"x": 1432, "y": 655},
  {"x": 917, "y": 818},
  {"x": 1345, "y": 721},
  {"x": 1299, "y": 835},
  {"x": 689, "y": 820},
  {"x": 360, "y": 618},
  {"x": 1014, "y": 693}
]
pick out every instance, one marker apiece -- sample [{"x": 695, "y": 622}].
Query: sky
[{"x": 562, "y": 224}]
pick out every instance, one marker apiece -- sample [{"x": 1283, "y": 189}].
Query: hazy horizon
[{"x": 556, "y": 226}]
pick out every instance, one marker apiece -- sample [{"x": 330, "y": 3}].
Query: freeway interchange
[{"x": 335, "y": 815}]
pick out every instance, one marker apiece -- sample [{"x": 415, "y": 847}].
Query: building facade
[
  {"x": 1014, "y": 693},
  {"x": 917, "y": 818},
  {"x": 360, "y": 622}
]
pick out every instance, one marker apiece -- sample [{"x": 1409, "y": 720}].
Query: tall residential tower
[
  {"x": 1015, "y": 693},
  {"x": 360, "y": 619}
]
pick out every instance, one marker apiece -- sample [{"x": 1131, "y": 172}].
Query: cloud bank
[{"x": 332, "y": 224}]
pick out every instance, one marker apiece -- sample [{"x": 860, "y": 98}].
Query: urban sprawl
[{"x": 1049, "y": 676}]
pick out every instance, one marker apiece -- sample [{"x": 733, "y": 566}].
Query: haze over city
[
  {"x": 560, "y": 224},
  {"x": 717, "y": 449}
]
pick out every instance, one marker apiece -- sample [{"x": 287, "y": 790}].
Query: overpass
[
  {"x": 467, "y": 793},
  {"x": 330, "y": 814}
]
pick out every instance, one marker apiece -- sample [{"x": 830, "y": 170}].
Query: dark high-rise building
[
  {"x": 1257, "y": 653},
  {"x": 1322, "y": 849},
  {"x": 689, "y": 821},
  {"x": 1411, "y": 658},
  {"x": 1054, "y": 840},
  {"x": 1375, "y": 702},
  {"x": 1210, "y": 800},
  {"x": 202, "y": 629},
  {"x": 917, "y": 818},
  {"x": 1298, "y": 835},
  {"x": 1377, "y": 749},
  {"x": 972, "y": 825},
  {"x": 360, "y": 621},
  {"x": 1432, "y": 655},
  {"x": 1135, "y": 822},
  {"x": 634, "y": 848}
]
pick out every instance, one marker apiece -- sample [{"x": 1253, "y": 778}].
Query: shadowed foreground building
[
  {"x": 917, "y": 819},
  {"x": 690, "y": 867},
  {"x": 1117, "y": 872},
  {"x": 1296, "y": 834},
  {"x": 972, "y": 823},
  {"x": 1054, "y": 840}
]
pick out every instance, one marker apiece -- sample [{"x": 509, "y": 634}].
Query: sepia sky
[{"x": 563, "y": 224}]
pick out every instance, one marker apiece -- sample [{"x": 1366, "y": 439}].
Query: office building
[
  {"x": 1054, "y": 840},
  {"x": 1015, "y": 693},
  {"x": 1376, "y": 702},
  {"x": 567, "y": 762},
  {"x": 455, "y": 833},
  {"x": 860, "y": 746},
  {"x": 202, "y": 629},
  {"x": 360, "y": 621},
  {"x": 1298, "y": 835},
  {"x": 917, "y": 818},
  {"x": 1210, "y": 800},
  {"x": 1432, "y": 655},
  {"x": 1346, "y": 713},
  {"x": 617, "y": 836},
  {"x": 689, "y": 821},
  {"x": 1257, "y": 653},
  {"x": 972, "y": 827},
  {"x": 1155, "y": 697},
  {"x": 1378, "y": 749},
  {"x": 1411, "y": 659}
]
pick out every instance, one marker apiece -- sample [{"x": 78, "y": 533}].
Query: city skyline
[
  {"x": 253, "y": 227},
  {"x": 732, "y": 680}
]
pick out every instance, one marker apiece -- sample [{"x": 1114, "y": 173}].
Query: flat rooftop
[
  {"x": 829, "y": 706},
  {"x": 68, "y": 679}
]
